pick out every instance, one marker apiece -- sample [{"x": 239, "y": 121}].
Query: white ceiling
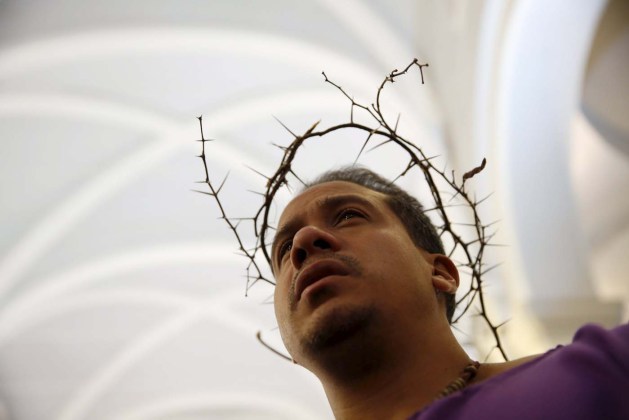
[{"x": 121, "y": 296}]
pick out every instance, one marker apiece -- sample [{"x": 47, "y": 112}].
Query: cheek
[
  {"x": 281, "y": 304},
  {"x": 399, "y": 265},
  {"x": 277, "y": 302},
  {"x": 282, "y": 316},
  {"x": 396, "y": 251}
]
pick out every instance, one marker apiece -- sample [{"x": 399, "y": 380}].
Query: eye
[
  {"x": 348, "y": 214},
  {"x": 284, "y": 248}
]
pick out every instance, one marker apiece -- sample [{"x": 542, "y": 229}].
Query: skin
[{"x": 373, "y": 327}]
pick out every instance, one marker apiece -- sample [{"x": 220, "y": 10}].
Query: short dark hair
[{"x": 407, "y": 208}]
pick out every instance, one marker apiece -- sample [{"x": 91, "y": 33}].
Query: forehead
[{"x": 319, "y": 192}]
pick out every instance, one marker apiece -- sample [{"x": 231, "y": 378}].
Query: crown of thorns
[{"x": 382, "y": 132}]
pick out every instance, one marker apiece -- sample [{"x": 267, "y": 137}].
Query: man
[{"x": 364, "y": 297}]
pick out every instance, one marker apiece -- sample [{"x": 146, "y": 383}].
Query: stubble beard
[
  {"x": 338, "y": 325},
  {"x": 342, "y": 342}
]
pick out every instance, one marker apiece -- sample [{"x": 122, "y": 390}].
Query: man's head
[
  {"x": 407, "y": 208},
  {"x": 355, "y": 255}
]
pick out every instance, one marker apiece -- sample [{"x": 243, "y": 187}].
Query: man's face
[{"x": 343, "y": 264}]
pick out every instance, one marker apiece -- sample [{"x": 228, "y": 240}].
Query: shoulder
[
  {"x": 597, "y": 350},
  {"x": 582, "y": 380},
  {"x": 600, "y": 338},
  {"x": 601, "y": 346},
  {"x": 489, "y": 370}
]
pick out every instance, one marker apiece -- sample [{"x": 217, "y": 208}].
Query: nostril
[
  {"x": 321, "y": 244},
  {"x": 301, "y": 255}
]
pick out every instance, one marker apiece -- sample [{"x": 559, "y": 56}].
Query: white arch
[
  {"x": 20, "y": 310},
  {"x": 89, "y": 300},
  {"x": 216, "y": 307},
  {"x": 62, "y": 218},
  {"x": 218, "y": 401},
  {"x": 102, "y": 43},
  {"x": 371, "y": 30},
  {"x": 167, "y": 300},
  {"x": 28, "y": 59},
  {"x": 288, "y": 50},
  {"x": 51, "y": 105},
  {"x": 532, "y": 144},
  {"x": 384, "y": 44},
  {"x": 97, "y": 44}
]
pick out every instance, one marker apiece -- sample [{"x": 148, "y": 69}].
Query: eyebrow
[{"x": 327, "y": 203}]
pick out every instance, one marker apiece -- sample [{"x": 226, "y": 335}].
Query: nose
[{"x": 309, "y": 241}]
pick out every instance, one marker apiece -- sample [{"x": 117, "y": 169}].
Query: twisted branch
[{"x": 473, "y": 249}]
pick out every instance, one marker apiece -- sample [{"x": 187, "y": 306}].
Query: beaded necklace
[{"x": 469, "y": 372}]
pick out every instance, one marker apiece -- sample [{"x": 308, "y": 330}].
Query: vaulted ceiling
[{"x": 121, "y": 295}]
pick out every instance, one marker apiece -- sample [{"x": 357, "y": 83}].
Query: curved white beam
[
  {"x": 31, "y": 56},
  {"x": 89, "y": 300},
  {"x": 19, "y": 311},
  {"x": 385, "y": 45},
  {"x": 540, "y": 84},
  {"x": 74, "y": 208},
  {"x": 283, "y": 49},
  {"x": 74, "y": 106},
  {"x": 374, "y": 33},
  {"x": 282, "y": 409},
  {"x": 141, "y": 297},
  {"x": 70, "y": 211},
  {"x": 216, "y": 307},
  {"x": 98, "y": 44}
]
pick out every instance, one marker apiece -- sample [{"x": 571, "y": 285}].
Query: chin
[
  {"x": 343, "y": 341},
  {"x": 333, "y": 326}
]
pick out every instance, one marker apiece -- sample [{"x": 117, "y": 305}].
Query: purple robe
[{"x": 588, "y": 379}]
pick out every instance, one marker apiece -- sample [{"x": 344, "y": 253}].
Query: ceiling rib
[
  {"x": 217, "y": 308},
  {"x": 71, "y": 210},
  {"x": 21, "y": 308}
]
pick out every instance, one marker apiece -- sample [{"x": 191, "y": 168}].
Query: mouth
[{"x": 318, "y": 271}]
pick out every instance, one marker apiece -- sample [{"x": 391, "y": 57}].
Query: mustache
[{"x": 352, "y": 263}]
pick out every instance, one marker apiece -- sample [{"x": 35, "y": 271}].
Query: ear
[{"x": 445, "y": 276}]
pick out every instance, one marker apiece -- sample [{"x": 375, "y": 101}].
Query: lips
[{"x": 317, "y": 271}]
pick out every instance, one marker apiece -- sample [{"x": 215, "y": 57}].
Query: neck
[{"x": 393, "y": 381}]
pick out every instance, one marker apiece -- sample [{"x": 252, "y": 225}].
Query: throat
[{"x": 397, "y": 382}]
